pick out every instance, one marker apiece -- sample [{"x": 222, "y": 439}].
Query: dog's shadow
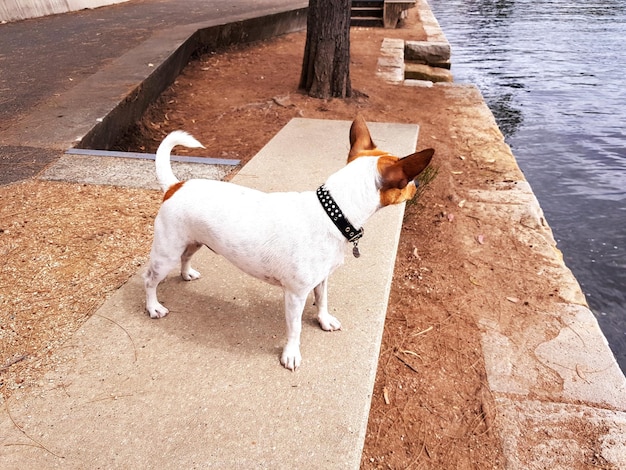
[{"x": 247, "y": 320}]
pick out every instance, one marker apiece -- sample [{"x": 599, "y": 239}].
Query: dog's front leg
[
  {"x": 294, "y": 306},
  {"x": 326, "y": 320}
]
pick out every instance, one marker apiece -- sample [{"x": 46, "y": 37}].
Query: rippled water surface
[{"x": 554, "y": 75}]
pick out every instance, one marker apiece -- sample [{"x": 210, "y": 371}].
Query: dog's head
[{"x": 397, "y": 175}]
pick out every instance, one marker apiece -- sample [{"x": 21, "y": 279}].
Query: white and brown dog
[{"x": 262, "y": 233}]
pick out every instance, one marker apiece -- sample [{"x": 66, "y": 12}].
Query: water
[{"x": 553, "y": 74}]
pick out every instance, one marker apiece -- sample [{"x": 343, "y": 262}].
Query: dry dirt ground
[{"x": 65, "y": 247}]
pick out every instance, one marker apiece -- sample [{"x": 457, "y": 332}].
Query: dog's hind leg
[
  {"x": 157, "y": 271},
  {"x": 186, "y": 271},
  {"x": 325, "y": 319}
]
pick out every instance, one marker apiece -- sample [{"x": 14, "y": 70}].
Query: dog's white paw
[
  {"x": 328, "y": 322},
  {"x": 190, "y": 275},
  {"x": 291, "y": 358},
  {"x": 157, "y": 310}
]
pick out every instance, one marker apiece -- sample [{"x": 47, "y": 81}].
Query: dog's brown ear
[
  {"x": 400, "y": 173},
  {"x": 360, "y": 138}
]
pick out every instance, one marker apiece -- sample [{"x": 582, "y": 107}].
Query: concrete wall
[
  {"x": 172, "y": 49},
  {"x": 12, "y": 10}
]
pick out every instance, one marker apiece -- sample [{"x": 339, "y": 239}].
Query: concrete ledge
[
  {"x": 540, "y": 435},
  {"x": 203, "y": 387},
  {"x": 555, "y": 383},
  {"x": 431, "y": 26},
  {"x": 435, "y": 51},
  {"x": 123, "y": 172}
]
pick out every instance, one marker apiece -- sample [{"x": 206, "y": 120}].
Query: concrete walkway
[{"x": 203, "y": 387}]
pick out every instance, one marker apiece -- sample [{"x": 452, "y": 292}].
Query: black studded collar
[{"x": 335, "y": 214}]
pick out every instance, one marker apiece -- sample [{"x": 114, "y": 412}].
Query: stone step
[
  {"x": 366, "y": 22},
  {"x": 414, "y": 71},
  {"x": 367, "y": 13}
]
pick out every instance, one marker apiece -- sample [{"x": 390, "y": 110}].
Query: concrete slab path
[{"x": 203, "y": 387}]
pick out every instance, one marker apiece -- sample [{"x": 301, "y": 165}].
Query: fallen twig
[
  {"x": 406, "y": 363},
  {"x": 124, "y": 330},
  {"x": 18, "y": 427},
  {"x": 15, "y": 360},
  {"x": 423, "y": 331}
]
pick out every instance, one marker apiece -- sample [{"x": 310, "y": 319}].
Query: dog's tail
[{"x": 165, "y": 176}]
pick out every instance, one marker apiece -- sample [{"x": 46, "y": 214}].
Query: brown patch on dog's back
[{"x": 172, "y": 189}]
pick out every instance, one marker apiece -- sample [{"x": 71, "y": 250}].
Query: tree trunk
[{"x": 326, "y": 63}]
